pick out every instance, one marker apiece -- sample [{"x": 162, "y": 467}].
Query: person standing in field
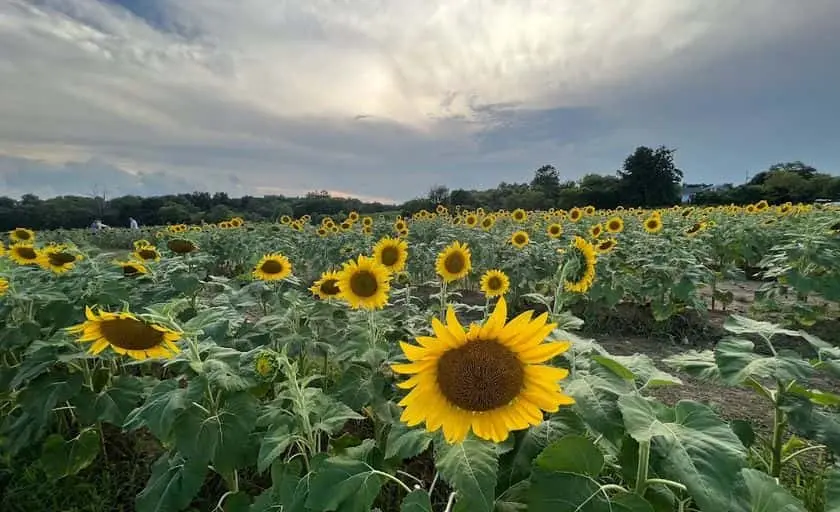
[{"x": 132, "y": 224}]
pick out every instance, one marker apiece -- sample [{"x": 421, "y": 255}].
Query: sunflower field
[{"x": 682, "y": 359}]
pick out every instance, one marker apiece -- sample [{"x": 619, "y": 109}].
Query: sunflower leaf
[
  {"x": 173, "y": 484},
  {"x": 405, "y": 442},
  {"x": 343, "y": 483},
  {"x": 416, "y": 501},
  {"x": 159, "y": 411},
  {"x": 471, "y": 468},
  {"x": 62, "y": 458},
  {"x": 765, "y": 495}
]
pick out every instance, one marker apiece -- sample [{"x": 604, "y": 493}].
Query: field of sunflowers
[{"x": 446, "y": 361}]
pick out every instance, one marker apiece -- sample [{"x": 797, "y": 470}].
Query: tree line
[{"x": 648, "y": 177}]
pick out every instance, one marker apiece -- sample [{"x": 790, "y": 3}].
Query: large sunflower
[
  {"x": 327, "y": 286},
  {"x": 273, "y": 267},
  {"x": 488, "y": 222},
  {"x": 22, "y": 235},
  {"x": 454, "y": 262},
  {"x": 519, "y": 215},
  {"x": 575, "y": 214},
  {"x": 126, "y": 334},
  {"x": 57, "y": 258},
  {"x": 494, "y": 283},
  {"x": 24, "y": 254},
  {"x": 520, "y": 239},
  {"x": 132, "y": 268},
  {"x": 364, "y": 283},
  {"x": 488, "y": 379},
  {"x": 615, "y": 225},
  {"x": 391, "y": 253},
  {"x": 653, "y": 224},
  {"x": 554, "y": 230},
  {"x": 147, "y": 253},
  {"x": 580, "y": 273}
]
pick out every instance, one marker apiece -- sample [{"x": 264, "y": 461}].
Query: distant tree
[
  {"x": 439, "y": 194},
  {"x": 547, "y": 182},
  {"x": 650, "y": 178}
]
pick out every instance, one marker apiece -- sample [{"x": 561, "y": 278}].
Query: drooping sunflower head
[
  {"x": 126, "y": 334},
  {"x": 615, "y": 225},
  {"x": 364, "y": 283},
  {"x": 272, "y": 267},
  {"x": 488, "y": 222},
  {"x": 519, "y": 215},
  {"x": 327, "y": 286},
  {"x": 488, "y": 379},
  {"x": 605, "y": 246},
  {"x": 520, "y": 239},
  {"x": 454, "y": 262},
  {"x": 4, "y": 286},
  {"x": 22, "y": 235},
  {"x": 653, "y": 224},
  {"x": 147, "y": 253},
  {"x": 554, "y": 230},
  {"x": 695, "y": 228},
  {"x": 494, "y": 283},
  {"x": 132, "y": 268},
  {"x": 579, "y": 266},
  {"x": 392, "y": 253},
  {"x": 785, "y": 209},
  {"x": 24, "y": 254},
  {"x": 181, "y": 246},
  {"x": 575, "y": 214},
  {"x": 266, "y": 365},
  {"x": 762, "y": 205},
  {"x": 596, "y": 230},
  {"x": 57, "y": 259}
]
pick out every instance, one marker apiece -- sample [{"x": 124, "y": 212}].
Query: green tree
[
  {"x": 547, "y": 182},
  {"x": 649, "y": 177}
]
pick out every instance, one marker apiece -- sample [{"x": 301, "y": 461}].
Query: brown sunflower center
[
  {"x": 494, "y": 283},
  {"x": 652, "y": 223},
  {"x": 694, "y": 229},
  {"x": 554, "y": 230},
  {"x": 330, "y": 287},
  {"x": 26, "y": 253},
  {"x": 131, "y": 270},
  {"x": 147, "y": 254},
  {"x": 390, "y": 256},
  {"x": 130, "y": 334},
  {"x": 454, "y": 263},
  {"x": 480, "y": 376},
  {"x": 364, "y": 284},
  {"x": 58, "y": 259},
  {"x": 181, "y": 246},
  {"x": 520, "y": 239},
  {"x": 22, "y": 234},
  {"x": 615, "y": 225},
  {"x": 272, "y": 267}
]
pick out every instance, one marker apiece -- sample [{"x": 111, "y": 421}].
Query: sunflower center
[
  {"x": 519, "y": 239},
  {"x": 364, "y": 284},
  {"x": 147, "y": 254},
  {"x": 21, "y": 234},
  {"x": 651, "y": 224},
  {"x": 494, "y": 283},
  {"x": 614, "y": 225},
  {"x": 454, "y": 263},
  {"x": 130, "y": 270},
  {"x": 60, "y": 258},
  {"x": 330, "y": 287},
  {"x": 554, "y": 230},
  {"x": 390, "y": 256},
  {"x": 272, "y": 267},
  {"x": 27, "y": 253},
  {"x": 130, "y": 334},
  {"x": 181, "y": 246},
  {"x": 480, "y": 376}
]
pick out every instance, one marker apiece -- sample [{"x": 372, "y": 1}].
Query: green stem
[
  {"x": 778, "y": 433},
  {"x": 642, "y": 469},
  {"x": 442, "y": 300}
]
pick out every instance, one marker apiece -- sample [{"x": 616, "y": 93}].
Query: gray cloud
[{"x": 385, "y": 98}]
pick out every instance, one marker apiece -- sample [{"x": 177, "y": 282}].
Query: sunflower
[
  {"x": 147, "y": 253},
  {"x": 181, "y": 246},
  {"x": 653, "y": 224},
  {"x": 327, "y": 286},
  {"x": 575, "y": 214},
  {"x": 554, "y": 230},
  {"x": 322, "y": 232},
  {"x": 273, "y": 267},
  {"x": 488, "y": 379},
  {"x": 488, "y": 222},
  {"x": 346, "y": 225},
  {"x": 762, "y": 205},
  {"x": 615, "y": 225},
  {"x": 696, "y": 228},
  {"x": 57, "y": 259},
  {"x": 2, "y": 250},
  {"x": 471, "y": 220},
  {"x": 126, "y": 334},
  {"x": 225, "y": 225},
  {"x": 494, "y": 283},
  {"x": 392, "y": 253},
  {"x": 403, "y": 233},
  {"x": 580, "y": 273},
  {"x": 364, "y": 283},
  {"x": 520, "y": 239},
  {"x": 589, "y": 210},
  {"x": 4, "y": 286},
  {"x": 454, "y": 262},
  {"x": 132, "y": 268},
  {"x": 605, "y": 246},
  {"x": 367, "y": 230},
  {"x": 353, "y": 216},
  {"x": 519, "y": 215},
  {"x": 596, "y": 230},
  {"x": 750, "y": 208},
  {"x": 236, "y": 222},
  {"x": 24, "y": 254},
  {"x": 367, "y": 221},
  {"x": 22, "y": 235},
  {"x": 400, "y": 225},
  {"x": 141, "y": 243},
  {"x": 285, "y": 219}
]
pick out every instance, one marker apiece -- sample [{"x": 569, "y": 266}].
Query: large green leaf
[
  {"x": 416, "y": 501},
  {"x": 159, "y": 411},
  {"x": 48, "y": 390},
  {"x": 572, "y": 454},
  {"x": 638, "y": 368},
  {"x": 286, "y": 492},
  {"x": 595, "y": 401},
  {"x": 343, "y": 484},
  {"x": 738, "y": 362},
  {"x": 812, "y": 422},
  {"x": 832, "y": 491},
  {"x": 471, "y": 469},
  {"x": 738, "y": 324},
  {"x": 765, "y": 495},
  {"x": 113, "y": 403},
  {"x": 62, "y": 458},
  {"x": 695, "y": 447},
  {"x": 553, "y": 491},
  {"x": 701, "y": 365},
  {"x": 272, "y": 445},
  {"x": 405, "y": 442},
  {"x": 173, "y": 484}
]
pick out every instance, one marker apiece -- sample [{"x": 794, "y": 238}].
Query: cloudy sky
[{"x": 384, "y": 98}]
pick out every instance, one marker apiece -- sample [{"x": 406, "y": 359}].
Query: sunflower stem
[
  {"x": 642, "y": 469},
  {"x": 442, "y": 300},
  {"x": 450, "y": 502}
]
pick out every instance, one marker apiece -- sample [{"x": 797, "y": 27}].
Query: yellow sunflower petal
[{"x": 543, "y": 352}]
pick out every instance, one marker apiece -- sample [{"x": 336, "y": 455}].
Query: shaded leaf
[
  {"x": 765, "y": 495},
  {"x": 172, "y": 486},
  {"x": 470, "y": 468},
  {"x": 405, "y": 442},
  {"x": 572, "y": 454},
  {"x": 416, "y": 501},
  {"x": 62, "y": 458}
]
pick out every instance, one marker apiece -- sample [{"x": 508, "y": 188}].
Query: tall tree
[
  {"x": 547, "y": 182},
  {"x": 649, "y": 177}
]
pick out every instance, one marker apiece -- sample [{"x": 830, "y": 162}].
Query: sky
[{"x": 382, "y": 99}]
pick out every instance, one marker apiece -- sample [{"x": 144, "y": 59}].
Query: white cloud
[{"x": 297, "y": 94}]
